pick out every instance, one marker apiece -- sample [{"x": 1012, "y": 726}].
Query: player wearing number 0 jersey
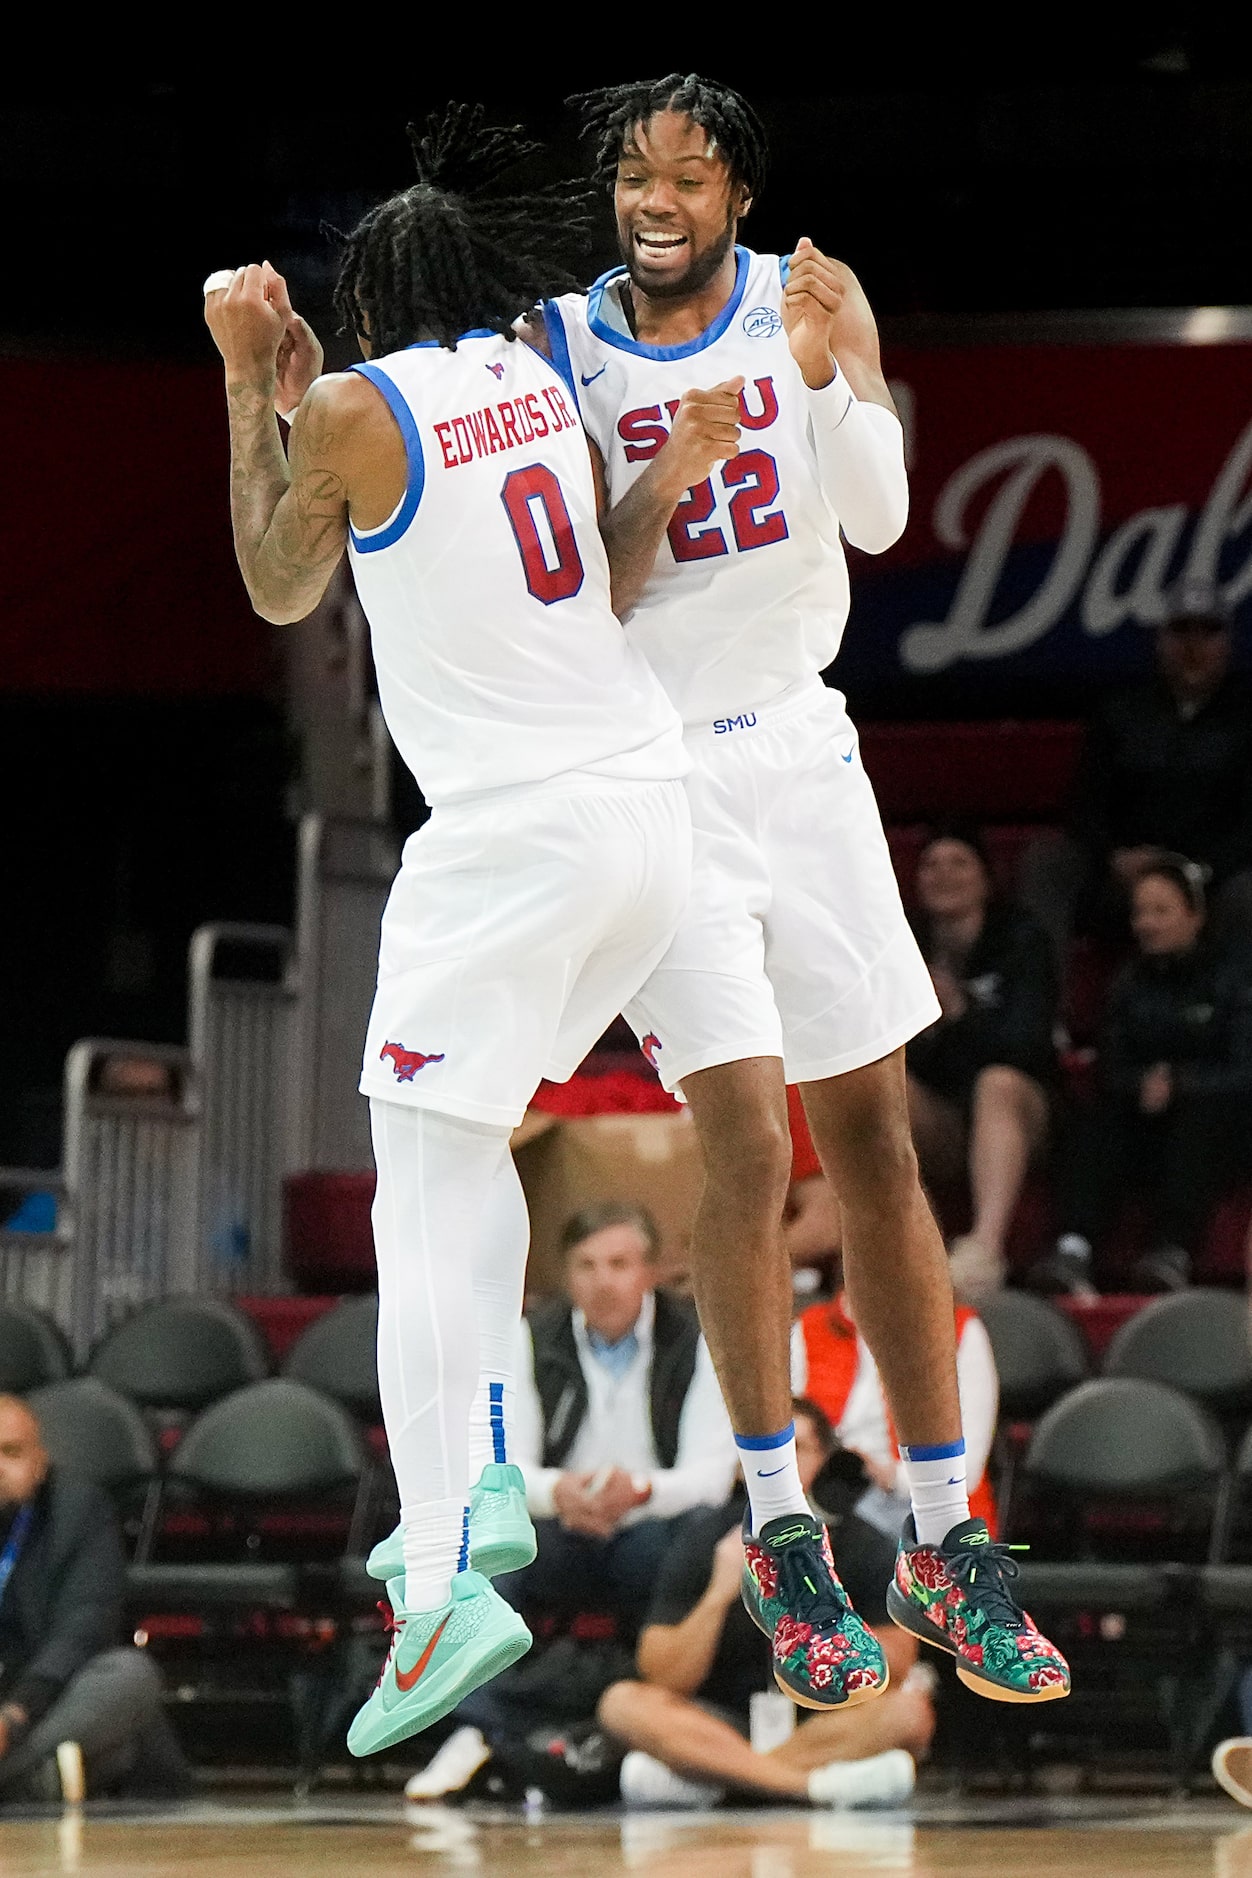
[
  {"x": 550, "y": 878},
  {"x": 794, "y": 958}
]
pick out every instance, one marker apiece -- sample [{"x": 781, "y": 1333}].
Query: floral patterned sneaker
[
  {"x": 824, "y": 1657},
  {"x": 958, "y": 1596}
]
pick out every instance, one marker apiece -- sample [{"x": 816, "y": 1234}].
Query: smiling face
[
  {"x": 1162, "y": 917},
  {"x": 677, "y": 206},
  {"x": 951, "y": 880}
]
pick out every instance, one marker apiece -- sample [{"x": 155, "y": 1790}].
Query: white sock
[
  {"x": 937, "y": 1488},
  {"x": 427, "y": 1573},
  {"x": 434, "y": 1174},
  {"x": 772, "y": 1476},
  {"x": 499, "y": 1282}
]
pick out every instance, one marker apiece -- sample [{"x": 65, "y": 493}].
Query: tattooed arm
[{"x": 290, "y": 517}]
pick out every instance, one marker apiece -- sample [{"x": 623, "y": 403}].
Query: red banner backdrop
[{"x": 117, "y": 572}]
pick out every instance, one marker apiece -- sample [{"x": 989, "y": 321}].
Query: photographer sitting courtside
[
  {"x": 620, "y": 1425},
  {"x": 687, "y": 1718}
]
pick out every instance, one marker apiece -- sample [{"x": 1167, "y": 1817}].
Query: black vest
[{"x": 562, "y": 1387}]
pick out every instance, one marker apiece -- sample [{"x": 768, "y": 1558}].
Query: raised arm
[
  {"x": 290, "y": 516},
  {"x": 856, "y": 431}
]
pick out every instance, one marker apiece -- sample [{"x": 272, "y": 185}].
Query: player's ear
[{"x": 745, "y": 201}]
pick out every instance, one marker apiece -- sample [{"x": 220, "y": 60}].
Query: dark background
[{"x": 1060, "y": 162}]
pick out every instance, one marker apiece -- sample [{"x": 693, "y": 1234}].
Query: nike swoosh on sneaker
[
  {"x": 591, "y": 381},
  {"x": 409, "y": 1678}
]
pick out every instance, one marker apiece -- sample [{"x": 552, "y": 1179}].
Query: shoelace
[
  {"x": 983, "y": 1572},
  {"x": 392, "y": 1626},
  {"x": 808, "y": 1589}
]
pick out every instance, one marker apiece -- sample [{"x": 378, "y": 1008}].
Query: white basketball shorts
[
  {"x": 794, "y": 942},
  {"x": 515, "y": 931}
]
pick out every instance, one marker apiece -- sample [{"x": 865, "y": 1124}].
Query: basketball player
[
  {"x": 550, "y": 877},
  {"x": 794, "y": 961}
]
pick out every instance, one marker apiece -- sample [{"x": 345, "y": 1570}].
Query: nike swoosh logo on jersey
[
  {"x": 408, "y": 1679},
  {"x": 591, "y": 381},
  {"x": 847, "y": 755}
]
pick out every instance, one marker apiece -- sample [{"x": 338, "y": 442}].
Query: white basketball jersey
[
  {"x": 499, "y": 658},
  {"x": 750, "y": 590}
]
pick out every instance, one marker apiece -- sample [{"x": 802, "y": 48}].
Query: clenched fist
[
  {"x": 246, "y": 324},
  {"x": 705, "y": 432},
  {"x": 812, "y": 302}
]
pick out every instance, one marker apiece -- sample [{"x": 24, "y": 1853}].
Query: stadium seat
[
  {"x": 338, "y": 1355},
  {"x": 89, "y": 1429},
  {"x": 181, "y": 1354},
  {"x": 1196, "y": 1341},
  {"x": 34, "y": 1350},
  {"x": 1039, "y": 1353},
  {"x": 1124, "y": 1485}
]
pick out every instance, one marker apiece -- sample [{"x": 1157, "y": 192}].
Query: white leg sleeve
[
  {"x": 434, "y": 1175},
  {"x": 499, "y": 1282}
]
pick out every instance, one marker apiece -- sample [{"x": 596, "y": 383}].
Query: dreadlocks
[
  {"x": 451, "y": 253},
  {"x": 610, "y": 115}
]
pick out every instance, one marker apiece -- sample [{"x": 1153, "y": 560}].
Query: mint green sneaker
[
  {"x": 436, "y": 1659},
  {"x": 502, "y": 1538}
]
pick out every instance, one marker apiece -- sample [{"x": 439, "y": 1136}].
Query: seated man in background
[
  {"x": 831, "y": 1364},
  {"x": 979, "y": 1079},
  {"x": 620, "y": 1425},
  {"x": 688, "y": 1718},
  {"x": 76, "y": 1711}
]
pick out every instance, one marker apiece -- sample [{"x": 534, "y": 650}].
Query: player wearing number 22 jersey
[{"x": 795, "y": 942}]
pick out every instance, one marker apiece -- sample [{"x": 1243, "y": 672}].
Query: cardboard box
[{"x": 645, "y": 1160}]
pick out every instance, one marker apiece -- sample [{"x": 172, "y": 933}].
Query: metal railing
[
  {"x": 242, "y": 1005},
  {"x": 131, "y": 1148},
  {"x": 175, "y": 1158}
]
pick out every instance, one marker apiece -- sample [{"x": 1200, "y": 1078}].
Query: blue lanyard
[{"x": 18, "y": 1532}]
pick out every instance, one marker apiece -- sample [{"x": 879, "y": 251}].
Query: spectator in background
[
  {"x": 979, "y": 1078},
  {"x": 76, "y": 1711},
  {"x": 831, "y": 1364},
  {"x": 1172, "y": 1115},
  {"x": 620, "y": 1426},
  {"x": 687, "y": 1718},
  {"x": 1167, "y": 767}
]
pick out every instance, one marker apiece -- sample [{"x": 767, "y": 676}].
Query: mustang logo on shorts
[
  {"x": 650, "y": 1045},
  {"x": 406, "y": 1063}
]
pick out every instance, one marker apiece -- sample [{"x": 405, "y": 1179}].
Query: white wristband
[{"x": 289, "y": 417}]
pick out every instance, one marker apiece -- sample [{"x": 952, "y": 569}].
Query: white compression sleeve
[
  {"x": 499, "y": 1282},
  {"x": 860, "y": 460},
  {"x": 434, "y": 1175}
]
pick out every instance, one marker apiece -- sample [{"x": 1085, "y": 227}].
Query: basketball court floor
[{"x": 379, "y": 1839}]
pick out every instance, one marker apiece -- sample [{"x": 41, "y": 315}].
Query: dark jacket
[
  {"x": 1010, "y": 982},
  {"x": 1150, "y": 776},
  {"x": 63, "y": 1604},
  {"x": 562, "y": 1387},
  {"x": 1191, "y": 1010}
]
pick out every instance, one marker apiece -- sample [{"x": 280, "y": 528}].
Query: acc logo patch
[{"x": 762, "y": 322}]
